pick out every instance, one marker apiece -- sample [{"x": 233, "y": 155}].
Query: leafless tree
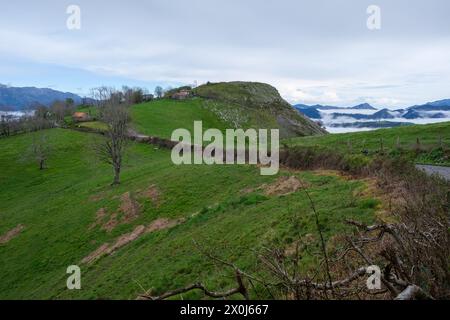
[
  {"x": 59, "y": 110},
  {"x": 159, "y": 92},
  {"x": 101, "y": 95},
  {"x": 133, "y": 95},
  {"x": 39, "y": 150},
  {"x": 39, "y": 120},
  {"x": 6, "y": 124},
  {"x": 114, "y": 113}
]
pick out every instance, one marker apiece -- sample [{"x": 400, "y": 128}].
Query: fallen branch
[
  {"x": 335, "y": 284},
  {"x": 241, "y": 289}
]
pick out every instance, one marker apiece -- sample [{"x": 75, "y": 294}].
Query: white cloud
[{"x": 312, "y": 52}]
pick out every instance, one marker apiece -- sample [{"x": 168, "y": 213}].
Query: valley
[{"x": 365, "y": 117}]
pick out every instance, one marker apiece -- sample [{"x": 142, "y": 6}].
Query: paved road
[{"x": 442, "y": 171}]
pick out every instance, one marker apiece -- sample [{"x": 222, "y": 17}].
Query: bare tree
[
  {"x": 6, "y": 123},
  {"x": 133, "y": 95},
  {"x": 59, "y": 110},
  {"x": 100, "y": 96},
  {"x": 159, "y": 91},
  {"x": 114, "y": 113},
  {"x": 39, "y": 150},
  {"x": 40, "y": 120}
]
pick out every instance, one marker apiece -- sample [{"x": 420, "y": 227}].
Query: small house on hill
[
  {"x": 81, "y": 117},
  {"x": 147, "y": 97},
  {"x": 181, "y": 95}
]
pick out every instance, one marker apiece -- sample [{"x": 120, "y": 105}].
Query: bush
[
  {"x": 310, "y": 158},
  {"x": 417, "y": 247},
  {"x": 355, "y": 163}
]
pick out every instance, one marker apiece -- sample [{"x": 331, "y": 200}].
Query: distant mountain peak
[
  {"x": 20, "y": 98},
  {"x": 440, "y": 105},
  {"x": 366, "y": 115},
  {"x": 364, "y": 106}
]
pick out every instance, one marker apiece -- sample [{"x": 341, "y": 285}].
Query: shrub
[
  {"x": 309, "y": 158},
  {"x": 356, "y": 163}
]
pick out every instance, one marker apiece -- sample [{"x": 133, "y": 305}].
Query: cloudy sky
[{"x": 311, "y": 51}]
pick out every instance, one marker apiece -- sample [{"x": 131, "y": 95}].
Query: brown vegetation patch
[
  {"x": 96, "y": 254},
  {"x": 291, "y": 249},
  {"x": 152, "y": 193},
  {"x": 99, "y": 216},
  {"x": 247, "y": 190},
  {"x": 107, "y": 249},
  {"x": 126, "y": 238},
  {"x": 283, "y": 186},
  {"x": 163, "y": 223},
  {"x": 370, "y": 188},
  {"x": 129, "y": 207},
  {"x": 390, "y": 201},
  {"x": 111, "y": 223},
  {"x": 11, "y": 234}
]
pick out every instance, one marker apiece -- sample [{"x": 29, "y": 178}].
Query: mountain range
[
  {"x": 365, "y": 115},
  {"x": 18, "y": 99}
]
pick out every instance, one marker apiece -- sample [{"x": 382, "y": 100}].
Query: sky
[{"x": 311, "y": 51}]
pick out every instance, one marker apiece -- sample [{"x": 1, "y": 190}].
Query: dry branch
[{"x": 241, "y": 289}]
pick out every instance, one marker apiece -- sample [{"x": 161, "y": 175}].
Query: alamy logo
[
  {"x": 374, "y": 20},
  {"x": 74, "y": 280},
  {"x": 237, "y": 147},
  {"x": 74, "y": 20},
  {"x": 374, "y": 280}
]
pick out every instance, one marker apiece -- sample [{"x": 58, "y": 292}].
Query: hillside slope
[
  {"x": 428, "y": 144},
  {"x": 224, "y": 105},
  {"x": 161, "y": 117},
  {"x": 257, "y": 104},
  {"x": 65, "y": 212}
]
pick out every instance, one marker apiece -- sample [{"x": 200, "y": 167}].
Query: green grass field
[
  {"x": 57, "y": 206},
  {"x": 161, "y": 117},
  {"x": 430, "y": 138},
  {"x": 96, "y": 125}
]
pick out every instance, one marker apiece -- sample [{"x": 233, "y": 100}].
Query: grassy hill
[
  {"x": 226, "y": 208},
  {"x": 139, "y": 235},
  {"x": 224, "y": 105},
  {"x": 160, "y": 117},
  {"x": 428, "y": 144}
]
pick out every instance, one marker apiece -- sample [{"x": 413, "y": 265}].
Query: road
[{"x": 441, "y": 171}]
